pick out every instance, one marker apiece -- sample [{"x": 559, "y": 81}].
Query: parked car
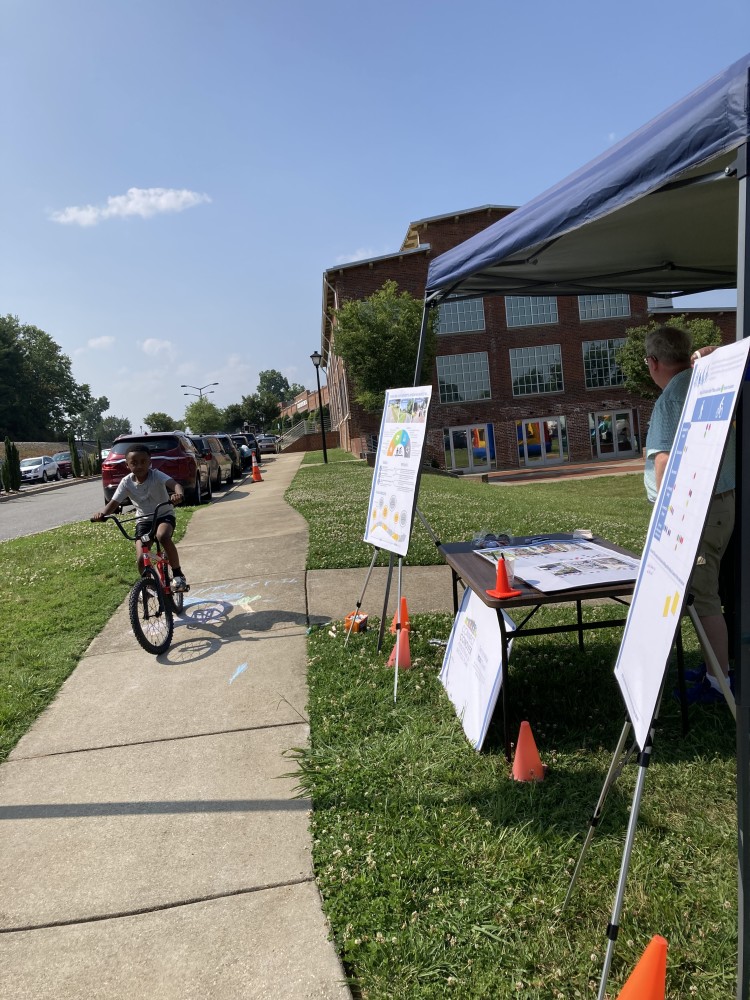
[
  {"x": 267, "y": 444},
  {"x": 204, "y": 462},
  {"x": 220, "y": 464},
  {"x": 250, "y": 441},
  {"x": 231, "y": 449},
  {"x": 64, "y": 464},
  {"x": 172, "y": 452},
  {"x": 39, "y": 470}
]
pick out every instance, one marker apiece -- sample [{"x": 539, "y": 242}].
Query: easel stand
[
  {"x": 362, "y": 596},
  {"x": 615, "y": 770},
  {"x": 613, "y": 927},
  {"x": 399, "y": 626}
]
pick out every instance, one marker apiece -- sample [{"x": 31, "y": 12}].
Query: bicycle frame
[{"x": 152, "y": 601}]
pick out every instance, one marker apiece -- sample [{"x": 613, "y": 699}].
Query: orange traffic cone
[
  {"x": 257, "y": 478},
  {"x": 404, "y": 617},
  {"x": 527, "y": 764},
  {"x": 402, "y": 645},
  {"x": 502, "y": 587},
  {"x": 648, "y": 980}
]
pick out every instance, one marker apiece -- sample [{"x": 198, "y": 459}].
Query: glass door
[
  {"x": 542, "y": 441},
  {"x": 612, "y": 434},
  {"x": 467, "y": 449}
]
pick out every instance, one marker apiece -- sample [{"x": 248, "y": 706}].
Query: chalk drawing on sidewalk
[{"x": 240, "y": 670}]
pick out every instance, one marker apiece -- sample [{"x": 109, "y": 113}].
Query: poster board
[
  {"x": 395, "y": 480},
  {"x": 675, "y": 530},
  {"x": 553, "y": 565},
  {"x": 472, "y": 666}
]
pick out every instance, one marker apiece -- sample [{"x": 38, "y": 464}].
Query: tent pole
[
  {"x": 422, "y": 336},
  {"x": 742, "y": 592}
]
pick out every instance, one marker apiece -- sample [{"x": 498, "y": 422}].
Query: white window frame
[{"x": 530, "y": 310}]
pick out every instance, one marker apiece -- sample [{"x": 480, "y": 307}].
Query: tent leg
[{"x": 742, "y": 592}]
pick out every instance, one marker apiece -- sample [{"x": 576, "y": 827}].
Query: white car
[{"x": 38, "y": 470}]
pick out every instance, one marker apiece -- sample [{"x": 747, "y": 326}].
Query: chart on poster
[
  {"x": 395, "y": 478},
  {"x": 675, "y": 530}
]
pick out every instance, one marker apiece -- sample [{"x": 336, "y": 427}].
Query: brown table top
[{"x": 479, "y": 574}]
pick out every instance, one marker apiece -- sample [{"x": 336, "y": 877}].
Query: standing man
[{"x": 669, "y": 363}]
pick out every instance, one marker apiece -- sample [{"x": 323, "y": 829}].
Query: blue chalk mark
[{"x": 240, "y": 670}]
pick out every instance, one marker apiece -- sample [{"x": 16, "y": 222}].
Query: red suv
[{"x": 172, "y": 452}]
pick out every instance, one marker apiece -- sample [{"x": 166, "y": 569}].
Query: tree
[
  {"x": 90, "y": 416},
  {"x": 37, "y": 387},
  {"x": 75, "y": 459},
  {"x": 630, "y": 356},
  {"x": 272, "y": 383},
  {"x": 377, "y": 339},
  {"x": 202, "y": 416},
  {"x": 232, "y": 418},
  {"x": 112, "y": 427},
  {"x": 11, "y": 468},
  {"x": 159, "y": 421}
]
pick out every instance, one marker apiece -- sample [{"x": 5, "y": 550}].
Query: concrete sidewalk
[{"x": 152, "y": 843}]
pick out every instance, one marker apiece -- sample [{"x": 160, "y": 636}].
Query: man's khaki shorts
[{"x": 704, "y": 583}]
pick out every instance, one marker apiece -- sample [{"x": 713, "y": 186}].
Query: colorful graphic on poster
[
  {"x": 395, "y": 478},
  {"x": 675, "y": 530},
  {"x": 400, "y": 445}
]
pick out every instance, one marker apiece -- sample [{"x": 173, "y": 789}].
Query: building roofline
[
  {"x": 464, "y": 211},
  {"x": 373, "y": 260}
]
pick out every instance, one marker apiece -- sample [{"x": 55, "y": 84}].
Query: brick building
[{"x": 518, "y": 380}]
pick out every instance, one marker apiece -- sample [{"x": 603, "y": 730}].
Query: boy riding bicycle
[{"x": 146, "y": 488}]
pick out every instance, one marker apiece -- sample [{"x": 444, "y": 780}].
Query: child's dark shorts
[{"x": 143, "y": 526}]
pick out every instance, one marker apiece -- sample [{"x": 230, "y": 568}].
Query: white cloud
[
  {"x": 142, "y": 202},
  {"x": 100, "y": 343},
  {"x": 160, "y": 349},
  {"x": 611, "y": 136}
]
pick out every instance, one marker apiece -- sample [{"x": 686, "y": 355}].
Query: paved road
[{"x": 30, "y": 513}]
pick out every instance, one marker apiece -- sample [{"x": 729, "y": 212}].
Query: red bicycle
[{"x": 153, "y": 601}]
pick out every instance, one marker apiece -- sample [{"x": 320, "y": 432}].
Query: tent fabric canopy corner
[{"x": 657, "y": 213}]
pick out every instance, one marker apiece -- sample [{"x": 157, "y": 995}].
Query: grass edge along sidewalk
[
  {"x": 440, "y": 875},
  {"x": 57, "y": 591}
]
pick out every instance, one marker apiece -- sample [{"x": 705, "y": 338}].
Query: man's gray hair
[{"x": 670, "y": 344}]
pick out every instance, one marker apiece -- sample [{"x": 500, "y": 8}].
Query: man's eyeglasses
[{"x": 652, "y": 357}]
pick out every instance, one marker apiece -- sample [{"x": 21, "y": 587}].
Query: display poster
[
  {"x": 554, "y": 564},
  {"x": 675, "y": 530},
  {"x": 472, "y": 665},
  {"x": 395, "y": 479}
]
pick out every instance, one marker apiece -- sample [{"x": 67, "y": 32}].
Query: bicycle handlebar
[{"x": 146, "y": 539}]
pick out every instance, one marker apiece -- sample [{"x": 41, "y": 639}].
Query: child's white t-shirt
[{"x": 145, "y": 496}]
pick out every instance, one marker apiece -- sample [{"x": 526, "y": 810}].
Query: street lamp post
[
  {"x": 316, "y": 357},
  {"x": 199, "y": 389}
]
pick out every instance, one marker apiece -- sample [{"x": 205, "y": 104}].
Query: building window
[
  {"x": 536, "y": 369},
  {"x": 600, "y": 363},
  {"x": 463, "y": 377},
  {"x": 530, "y": 310},
  {"x": 461, "y": 316},
  {"x": 603, "y": 306}
]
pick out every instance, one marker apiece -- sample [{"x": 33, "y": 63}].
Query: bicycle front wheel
[{"x": 150, "y": 615}]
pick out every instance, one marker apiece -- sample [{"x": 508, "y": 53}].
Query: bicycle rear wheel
[
  {"x": 150, "y": 615},
  {"x": 175, "y": 600}
]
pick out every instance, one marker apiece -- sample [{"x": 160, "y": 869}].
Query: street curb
[{"x": 44, "y": 488}]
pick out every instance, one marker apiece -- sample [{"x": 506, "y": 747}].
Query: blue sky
[{"x": 177, "y": 175}]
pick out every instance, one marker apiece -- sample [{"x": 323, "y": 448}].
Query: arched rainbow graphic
[{"x": 400, "y": 445}]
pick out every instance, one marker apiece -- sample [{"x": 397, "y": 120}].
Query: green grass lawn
[
  {"x": 613, "y": 507},
  {"x": 334, "y": 455},
  {"x": 57, "y": 591},
  {"x": 443, "y": 877}
]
